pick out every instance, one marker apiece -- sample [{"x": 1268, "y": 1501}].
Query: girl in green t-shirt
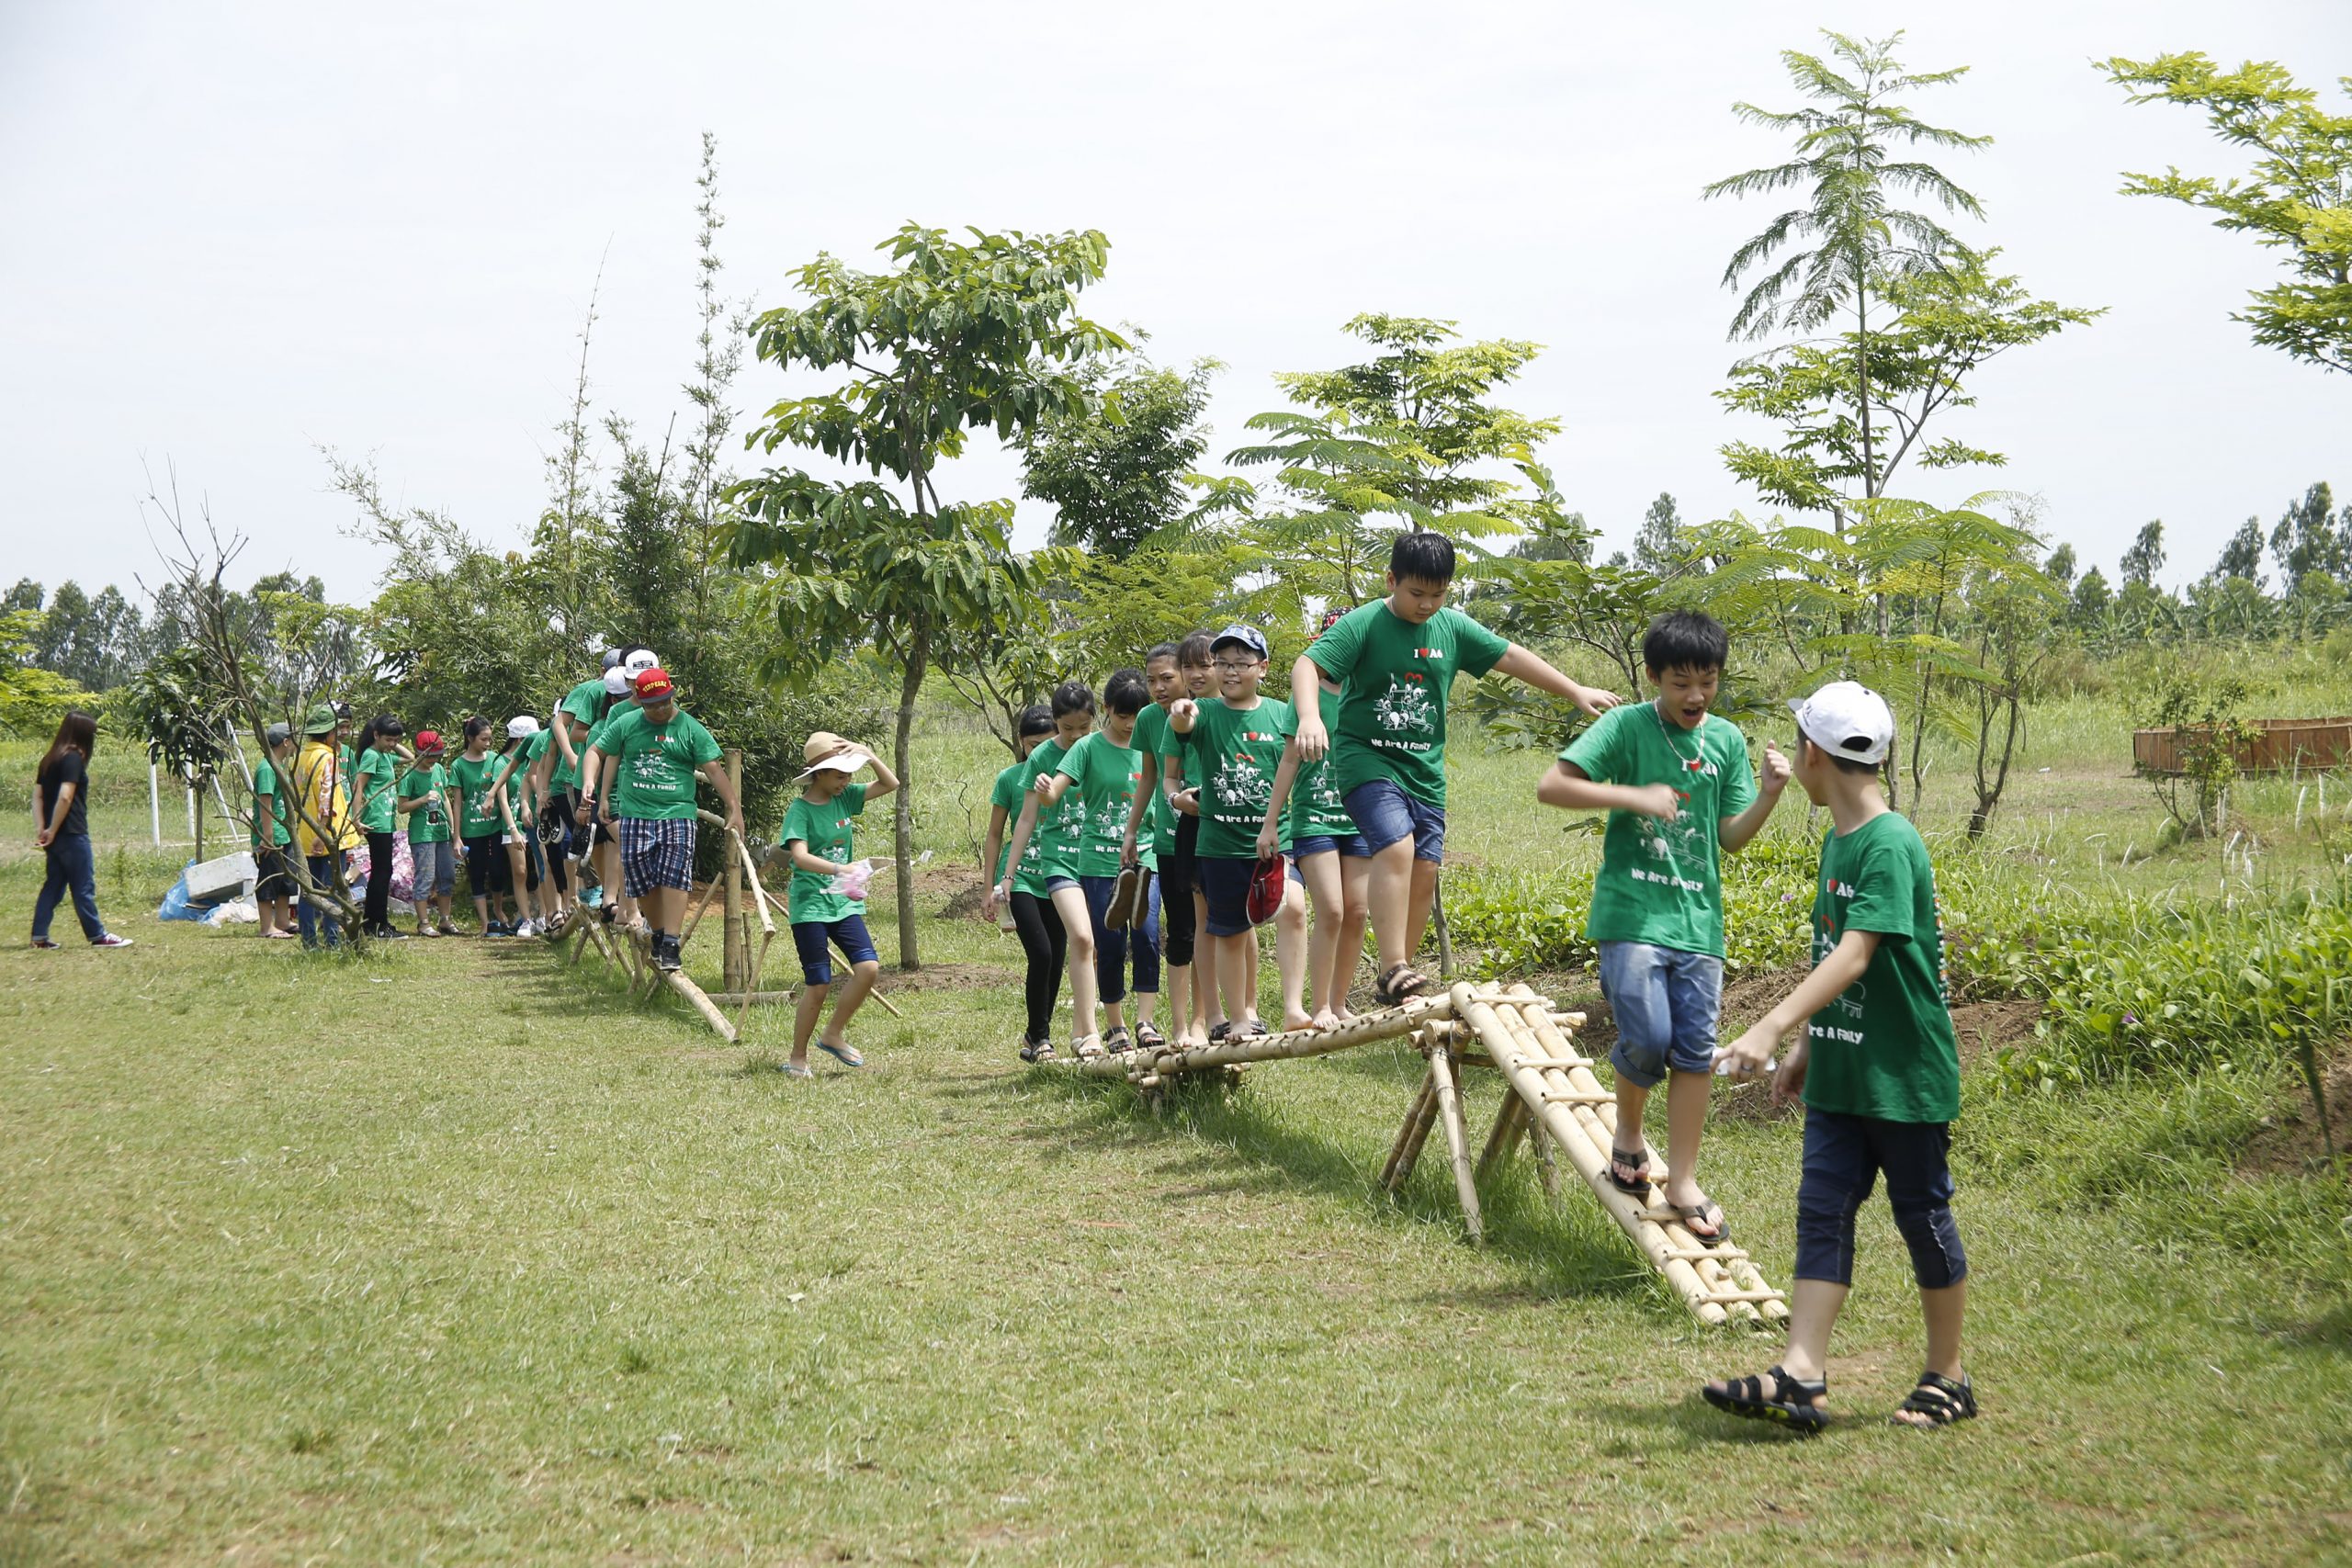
[
  {"x": 1042, "y": 881},
  {"x": 1330, "y": 867},
  {"x": 518, "y": 819},
  {"x": 1030, "y": 728},
  {"x": 472, "y": 779},
  {"x": 424, "y": 794},
  {"x": 825, "y": 912},
  {"x": 375, "y": 770}
]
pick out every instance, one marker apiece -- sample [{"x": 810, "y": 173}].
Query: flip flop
[
  {"x": 1706, "y": 1212},
  {"x": 798, "y": 1070},
  {"x": 845, "y": 1054}
]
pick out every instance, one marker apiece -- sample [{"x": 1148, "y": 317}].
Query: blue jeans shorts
[
  {"x": 1349, "y": 844},
  {"x": 1056, "y": 883},
  {"x": 1666, "y": 1003},
  {"x": 1224, "y": 882},
  {"x": 1383, "y": 813},
  {"x": 817, "y": 960}
]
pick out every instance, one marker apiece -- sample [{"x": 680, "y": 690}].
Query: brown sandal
[{"x": 1400, "y": 984}]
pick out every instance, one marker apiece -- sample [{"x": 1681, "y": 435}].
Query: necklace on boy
[{"x": 1693, "y": 764}]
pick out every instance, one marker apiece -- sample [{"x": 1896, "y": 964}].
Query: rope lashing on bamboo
[{"x": 1556, "y": 1101}]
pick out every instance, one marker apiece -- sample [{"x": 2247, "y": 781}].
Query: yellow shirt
[{"x": 321, "y": 799}]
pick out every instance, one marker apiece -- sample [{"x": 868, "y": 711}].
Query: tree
[
  {"x": 719, "y": 357},
  {"x": 1659, "y": 545},
  {"x": 2146, "y": 556},
  {"x": 183, "y": 710},
  {"x": 1114, "y": 471},
  {"x": 25, "y": 595},
  {"x": 2091, "y": 599},
  {"x": 2060, "y": 567},
  {"x": 1851, "y": 239},
  {"x": 2296, "y": 199},
  {"x": 954, "y": 337},
  {"x": 2241, "y": 556},
  {"x": 32, "y": 699},
  {"x": 2308, "y": 540}
]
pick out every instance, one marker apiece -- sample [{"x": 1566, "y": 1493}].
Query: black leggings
[
  {"x": 379, "y": 907},
  {"x": 1176, "y": 884},
  {"x": 1048, "y": 946}
]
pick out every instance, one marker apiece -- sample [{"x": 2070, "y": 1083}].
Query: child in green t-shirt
[
  {"x": 424, "y": 794},
  {"x": 274, "y": 876},
  {"x": 1879, "y": 1067},
  {"x": 1041, "y": 947},
  {"x": 1043, "y": 885},
  {"x": 1102, "y": 770},
  {"x": 1154, "y": 830},
  {"x": 1237, "y": 743},
  {"x": 1675, "y": 782},
  {"x": 817, "y": 837},
  {"x": 1395, "y": 659},
  {"x": 1331, "y": 869}
]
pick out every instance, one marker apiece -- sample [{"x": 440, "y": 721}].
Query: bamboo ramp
[{"x": 1556, "y": 1101}]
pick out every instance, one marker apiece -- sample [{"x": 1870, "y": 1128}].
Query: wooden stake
[
  {"x": 1405, "y": 1153},
  {"x": 1508, "y": 1122},
  {"x": 735, "y": 932},
  {"x": 1457, "y": 1139}
]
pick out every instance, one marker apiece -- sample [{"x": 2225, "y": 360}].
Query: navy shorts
[
  {"x": 1666, "y": 1004},
  {"x": 816, "y": 959},
  {"x": 1225, "y": 883},
  {"x": 1843, "y": 1157},
  {"x": 1383, "y": 813}
]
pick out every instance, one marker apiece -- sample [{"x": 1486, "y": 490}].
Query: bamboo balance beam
[
  {"x": 1295, "y": 1044},
  {"x": 1457, "y": 1138}
]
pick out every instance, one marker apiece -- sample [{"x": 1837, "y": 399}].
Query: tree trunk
[{"x": 902, "y": 819}]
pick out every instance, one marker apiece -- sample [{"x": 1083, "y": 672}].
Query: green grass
[{"x": 448, "y": 1252}]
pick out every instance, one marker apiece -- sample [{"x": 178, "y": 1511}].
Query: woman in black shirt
[{"x": 61, "y": 828}]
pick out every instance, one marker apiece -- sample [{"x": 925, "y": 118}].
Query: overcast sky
[{"x": 232, "y": 234}]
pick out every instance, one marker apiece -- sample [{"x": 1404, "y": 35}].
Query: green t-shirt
[
  {"x": 429, "y": 813},
  {"x": 472, "y": 780},
  {"x": 586, "y": 701},
  {"x": 824, "y": 827},
  {"x": 267, "y": 787},
  {"x": 523, "y": 759},
  {"x": 1106, "y": 774},
  {"x": 1240, "y": 749},
  {"x": 1051, "y": 850},
  {"x": 655, "y": 781},
  {"x": 1886, "y": 1047},
  {"x": 1006, "y": 797},
  {"x": 563, "y": 775},
  {"x": 1661, "y": 882},
  {"x": 1394, "y": 677},
  {"x": 1315, "y": 810},
  {"x": 373, "y": 775},
  {"x": 1156, "y": 833}
]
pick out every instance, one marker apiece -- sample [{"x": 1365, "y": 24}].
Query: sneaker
[
  {"x": 527, "y": 928},
  {"x": 389, "y": 933},
  {"x": 666, "y": 953},
  {"x": 42, "y": 944},
  {"x": 496, "y": 928},
  {"x": 110, "y": 940}
]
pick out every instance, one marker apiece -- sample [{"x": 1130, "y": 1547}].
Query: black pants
[
  {"x": 1176, "y": 884},
  {"x": 1048, "y": 946},
  {"x": 379, "y": 905},
  {"x": 560, "y": 808}
]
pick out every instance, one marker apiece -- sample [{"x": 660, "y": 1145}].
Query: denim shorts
[
  {"x": 1383, "y": 813},
  {"x": 1349, "y": 844},
  {"x": 1224, "y": 882},
  {"x": 1666, "y": 1004},
  {"x": 436, "y": 868},
  {"x": 817, "y": 960},
  {"x": 1056, "y": 883}
]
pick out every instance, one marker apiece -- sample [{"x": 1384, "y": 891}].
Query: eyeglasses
[{"x": 1234, "y": 667}]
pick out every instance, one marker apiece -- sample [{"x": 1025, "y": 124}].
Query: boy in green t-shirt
[
  {"x": 1675, "y": 782},
  {"x": 1043, "y": 886},
  {"x": 1151, "y": 839},
  {"x": 1041, "y": 946},
  {"x": 1237, "y": 743},
  {"x": 817, "y": 838},
  {"x": 1177, "y": 834},
  {"x": 424, "y": 794},
  {"x": 651, "y": 757},
  {"x": 273, "y": 875},
  {"x": 1103, "y": 769},
  {"x": 1879, "y": 1067},
  {"x": 1395, "y": 659},
  {"x": 1330, "y": 868}
]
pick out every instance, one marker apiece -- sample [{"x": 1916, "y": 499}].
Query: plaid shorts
[{"x": 656, "y": 853}]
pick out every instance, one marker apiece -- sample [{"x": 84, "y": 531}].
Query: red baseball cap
[
  {"x": 428, "y": 742},
  {"x": 653, "y": 685}
]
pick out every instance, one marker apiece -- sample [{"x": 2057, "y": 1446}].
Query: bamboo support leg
[
  {"x": 750, "y": 983},
  {"x": 1509, "y": 1121},
  {"x": 677, "y": 981},
  {"x": 1405, "y": 1152},
  {"x": 695, "y": 915},
  {"x": 1457, "y": 1141}
]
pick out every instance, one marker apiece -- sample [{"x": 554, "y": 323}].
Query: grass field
[{"x": 449, "y": 1254}]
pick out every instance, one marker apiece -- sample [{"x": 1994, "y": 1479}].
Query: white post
[
  {"x": 155, "y": 806},
  {"x": 191, "y": 813}
]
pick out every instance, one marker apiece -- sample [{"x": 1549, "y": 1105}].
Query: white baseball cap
[
  {"x": 521, "y": 725},
  {"x": 639, "y": 660},
  {"x": 616, "y": 681},
  {"x": 1847, "y": 719}
]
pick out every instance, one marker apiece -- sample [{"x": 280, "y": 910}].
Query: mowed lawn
[{"x": 454, "y": 1254}]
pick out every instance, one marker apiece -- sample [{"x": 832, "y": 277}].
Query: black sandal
[
  {"x": 1636, "y": 1160},
  {"x": 1399, "y": 984},
  {"x": 1119, "y": 1042},
  {"x": 1705, "y": 1211},
  {"x": 1219, "y": 1033},
  {"x": 1789, "y": 1402},
  {"x": 1149, "y": 1038},
  {"x": 1940, "y": 1399}
]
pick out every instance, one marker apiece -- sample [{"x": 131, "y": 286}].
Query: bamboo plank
[
  {"x": 1457, "y": 1141},
  {"x": 677, "y": 981},
  {"x": 1293, "y": 1045}
]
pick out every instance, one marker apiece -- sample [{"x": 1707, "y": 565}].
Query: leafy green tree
[
  {"x": 2307, "y": 539},
  {"x": 32, "y": 699},
  {"x": 954, "y": 337},
  {"x": 2296, "y": 199},
  {"x": 2091, "y": 599},
  {"x": 1114, "y": 470},
  {"x": 2060, "y": 567},
  {"x": 25, "y": 595},
  {"x": 1659, "y": 547},
  {"x": 2146, "y": 556},
  {"x": 181, "y": 707},
  {"x": 2241, "y": 556}
]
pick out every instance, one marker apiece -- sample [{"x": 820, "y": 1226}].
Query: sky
[{"x": 230, "y": 236}]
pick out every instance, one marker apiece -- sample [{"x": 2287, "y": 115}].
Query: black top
[{"x": 70, "y": 768}]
